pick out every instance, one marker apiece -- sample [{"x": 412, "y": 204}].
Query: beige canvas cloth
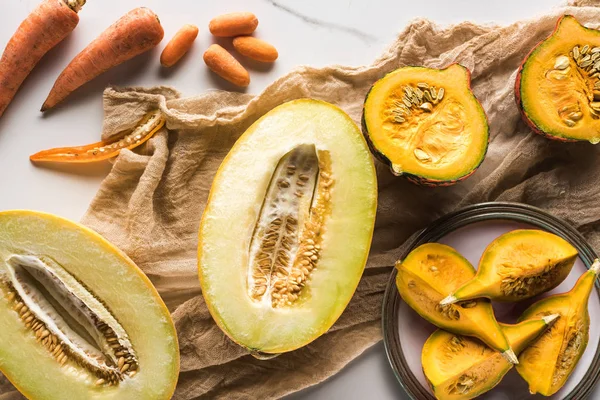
[{"x": 151, "y": 202}]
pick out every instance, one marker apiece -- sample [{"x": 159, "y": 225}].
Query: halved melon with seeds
[
  {"x": 426, "y": 124},
  {"x": 79, "y": 319},
  {"x": 558, "y": 85},
  {"x": 287, "y": 229}
]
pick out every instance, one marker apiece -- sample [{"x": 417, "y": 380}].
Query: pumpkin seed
[
  {"x": 449, "y": 311},
  {"x": 585, "y": 49},
  {"x": 514, "y": 283},
  {"x": 562, "y": 62},
  {"x": 426, "y": 106},
  {"x": 421, "y": 155},
  {"x": 576, "y": 116}
]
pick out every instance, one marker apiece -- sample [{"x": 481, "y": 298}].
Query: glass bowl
[{"x": 469, "y": 231}]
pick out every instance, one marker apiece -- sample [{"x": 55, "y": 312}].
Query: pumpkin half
[
  {"x": 558, "y": 85},
  {"x": 79, "y": 319},
  {"x": 426, "y": 124},
  {"x": 285, "y": 235}
]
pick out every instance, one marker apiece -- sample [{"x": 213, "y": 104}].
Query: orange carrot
[
  {"x": 255, "y": 49},
  {"x": 179, "y": 45},
  {"x": 233, "y": 24},
  {"x": 146, "y": 128},
  {"x": 47, "y": 25},
  {"x": 135, "y": 33},
  {"x": 222, "y": 63}
]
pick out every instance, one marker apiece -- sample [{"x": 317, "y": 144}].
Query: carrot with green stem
[
  {"x": 134, "y": 33},
  {"x": 46, "y": 26},
  {"x": 100, "y": 151}
]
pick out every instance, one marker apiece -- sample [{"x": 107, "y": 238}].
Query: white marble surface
[{"x": 315, "y": 32}]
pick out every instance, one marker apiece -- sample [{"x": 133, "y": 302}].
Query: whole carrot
[
  {"x": 46, "y": 26},
  {"x": 179, "y": 45},
  {"x": 134, "y": 33}
]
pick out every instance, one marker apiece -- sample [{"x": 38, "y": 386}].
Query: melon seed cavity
[
  {"x": 75, "y": 326},
  {"x": 286, "y": 243}
]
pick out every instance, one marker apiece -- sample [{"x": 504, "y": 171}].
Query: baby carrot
[
  {"x": 135, "y": 33},
  {"x": 146, "y": 128},
  {"x": 46, "y": 26},
  {"x": 233, "y": 24},
  {"x": 255, "y": 49},
  {"x": 179, "y": 45},
  {"x": 222, "y": 63}
]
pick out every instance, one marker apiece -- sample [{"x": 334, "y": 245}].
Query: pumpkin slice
[
  {"x": 426, "y": 124},
  {"x": 461, "y": 368},
  {"x": 547, "y": 364},
  {"x": 518, "y": 265},
  {"x": 558, "y": 85},
  {"x": 285, "y": 235},
  {"x": 432, "y": 271},
  {"x": 79, "y": 319}
]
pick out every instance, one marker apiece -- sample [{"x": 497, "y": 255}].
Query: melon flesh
[
  {"x": 114, "y": 280},
  {"x": 235, "y": 211}
]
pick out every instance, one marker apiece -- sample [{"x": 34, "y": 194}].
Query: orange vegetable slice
[{"x": 148, "y": 126}]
